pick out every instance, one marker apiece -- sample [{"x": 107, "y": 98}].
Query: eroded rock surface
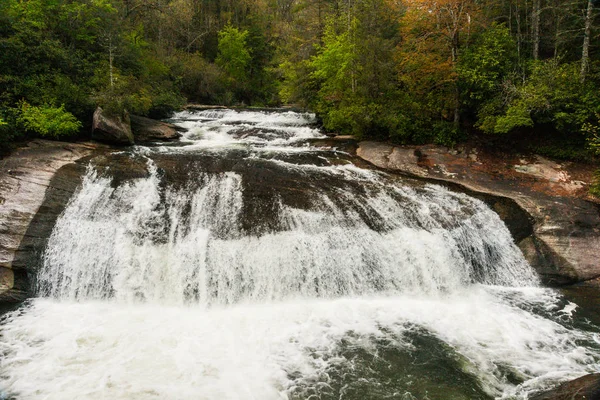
[
  {"x": 149, "y": 130},
  {"x": 112, "y": 129},
  {"x": 25, "y": 177},
  {"x": 565, "y": 243}
]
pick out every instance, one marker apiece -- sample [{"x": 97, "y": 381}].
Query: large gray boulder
[
  {"x": 112, "y": 129},
  {"x": 150, "y": 130}
]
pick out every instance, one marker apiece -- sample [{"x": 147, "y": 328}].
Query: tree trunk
[
  {"x": 535, "y": 21},
  {"x": 585, "y": 55},
  {"x": 455, "y": 46},
  {"x": 557, "y": 35},
  {"x": 111, "y": 58},
  {"x": 519, "y": 33}
]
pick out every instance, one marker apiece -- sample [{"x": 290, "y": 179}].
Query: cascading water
[{"x": 247, "y": 263}]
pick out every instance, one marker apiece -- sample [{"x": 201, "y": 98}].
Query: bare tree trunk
[
  {"x": 110, "y": 66},
  {"x": 585, "y": 55},
  {"x": 455, "y": 45},
  {"x": 535, "y": 21},
  {"x": 557, "y": 35},
  {"x": 519, "y": 35}
]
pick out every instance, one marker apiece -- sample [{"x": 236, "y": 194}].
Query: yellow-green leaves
[{"x": 47, "y": 120}]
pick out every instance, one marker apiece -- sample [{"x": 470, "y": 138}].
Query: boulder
[
  {"x": 584, "y": 388},
  {"x": 112, "y": 129},
  {"x": 150, "y": 130}
]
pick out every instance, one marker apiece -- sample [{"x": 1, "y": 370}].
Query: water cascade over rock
[{"x": 247, "y": 261}]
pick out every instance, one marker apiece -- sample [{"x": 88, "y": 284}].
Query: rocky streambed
[{"x": 542, "y": 204}]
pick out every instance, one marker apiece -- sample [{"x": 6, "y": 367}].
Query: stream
[{"x": 249, "y": 260}]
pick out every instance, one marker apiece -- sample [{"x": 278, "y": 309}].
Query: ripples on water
[{"x": 245, "y": 262}]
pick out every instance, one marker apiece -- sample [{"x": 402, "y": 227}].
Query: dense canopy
[{"x": 405, "y": 70}]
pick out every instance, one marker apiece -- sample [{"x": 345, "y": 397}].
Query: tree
[
  {"x": 430, "y": 52},
  {"x": 535, "y": 15},
  {"x": 486, "y": 64},
  {"x": 234, "y": 56},
  {"x": 585, "y": 55}
]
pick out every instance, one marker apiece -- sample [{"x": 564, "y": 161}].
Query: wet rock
[
  {"x": 149, "y": 130},
  {"x": 204, "y": 107},
  {"x": 26, "y": 177},
  {"x": 584, "y": 388},
  {"x": 112, "y": 129},
  {"x": 551, "y": 218}
]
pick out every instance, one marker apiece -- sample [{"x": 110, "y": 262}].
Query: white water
[
  {"x": 218, "y": 128},
  {"x": 157, "y": 292}
]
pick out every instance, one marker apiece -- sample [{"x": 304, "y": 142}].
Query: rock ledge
[{"x": 564, "y": 242}]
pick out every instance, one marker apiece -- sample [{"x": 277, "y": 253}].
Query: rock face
[
  {"x": 112, "y": 129},
  {"x": 26, "y": 178},
  {"x": 584, "y": 388},
  {"x": 149, "y": 130},
  {"x": 563, "y": 238}
]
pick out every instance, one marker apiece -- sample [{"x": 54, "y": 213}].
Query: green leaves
[
  {"x": 234, "y": 56},
  {"x": 47, "y": 120},
  {"x": 550, "y": 94},
  {"x": 484, "y": 65}
]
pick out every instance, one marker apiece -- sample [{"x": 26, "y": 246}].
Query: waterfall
[
  {"x": 248, "y": 261},
  {"x": 144, "y": 240}
]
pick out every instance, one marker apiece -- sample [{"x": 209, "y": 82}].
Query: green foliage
[
  {"x": 350, "y": 89},
  {"x": 410, "y": 72},
  {"x": 234, "y": 56},
  {"x": 484, "y": 65},
  {"x": 595, "y": 187},
  {"x": 592, "y": 131},
  {"x": 201, "y": 81},
  {"x": 47, "y": 120},
  {"x": 552, "y": 94}
]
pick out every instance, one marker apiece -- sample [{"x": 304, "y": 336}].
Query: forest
[{"x": 523, "y": 72}]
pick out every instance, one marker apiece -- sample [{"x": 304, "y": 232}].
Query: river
[{"x": 250, "y": 261}]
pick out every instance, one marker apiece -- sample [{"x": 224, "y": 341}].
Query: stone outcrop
[
  {"x": 584, "y": 388},
  {"x": 26, "y": 177},
  {"x": 563, "y": 242},
  {"x": 112, "y": 129},
  {"x": 149, "y": 130}
]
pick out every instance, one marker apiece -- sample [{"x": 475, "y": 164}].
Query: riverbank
[{"x": 565, "y": 241}]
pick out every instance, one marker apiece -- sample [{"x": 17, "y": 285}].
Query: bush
[
  {"x": 47, "y": 120},
  {"x": 592, "y": 131},
  {"x": 135, "y": 95},
  {"x": 201, "y": 81},
  {"x": 552, "y": 94},
  {"x": 595, "y": 188}
]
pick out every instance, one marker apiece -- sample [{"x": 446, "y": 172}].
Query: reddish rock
[{"x": 565, "y": 240}]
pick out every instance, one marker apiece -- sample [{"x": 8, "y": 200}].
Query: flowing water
[{"x": 247, "y": 262}]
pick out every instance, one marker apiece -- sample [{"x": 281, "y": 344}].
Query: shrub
[
  {"x": 595, "y": 188},
  {"x": 592, "y": 131},
  {"x": 47, "y": 120}
]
